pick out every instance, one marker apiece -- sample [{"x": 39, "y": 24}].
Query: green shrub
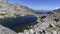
[{"x": 2, "y": 14}]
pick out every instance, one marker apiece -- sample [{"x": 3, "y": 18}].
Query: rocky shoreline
[{"x": 47, "y": 23}]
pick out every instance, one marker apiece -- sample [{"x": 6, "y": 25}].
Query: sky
[{"x": 38, "y": 4}]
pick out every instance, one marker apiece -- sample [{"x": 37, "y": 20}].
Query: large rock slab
[{"x": 4, "y": 30}]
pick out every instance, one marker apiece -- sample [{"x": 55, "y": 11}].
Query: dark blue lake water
[{"x": 19, "y": 21}]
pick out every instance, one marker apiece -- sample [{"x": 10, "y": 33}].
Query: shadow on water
[{"x": 18, "y": 24}]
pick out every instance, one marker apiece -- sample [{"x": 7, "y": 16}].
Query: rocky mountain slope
[
  {"x": 47, "y": 23},
  {"x": 13, "y": 10},
  {"x": 57, "y": 10}
]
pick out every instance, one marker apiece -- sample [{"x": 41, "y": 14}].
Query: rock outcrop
[{"x": 4, "y": 30}]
